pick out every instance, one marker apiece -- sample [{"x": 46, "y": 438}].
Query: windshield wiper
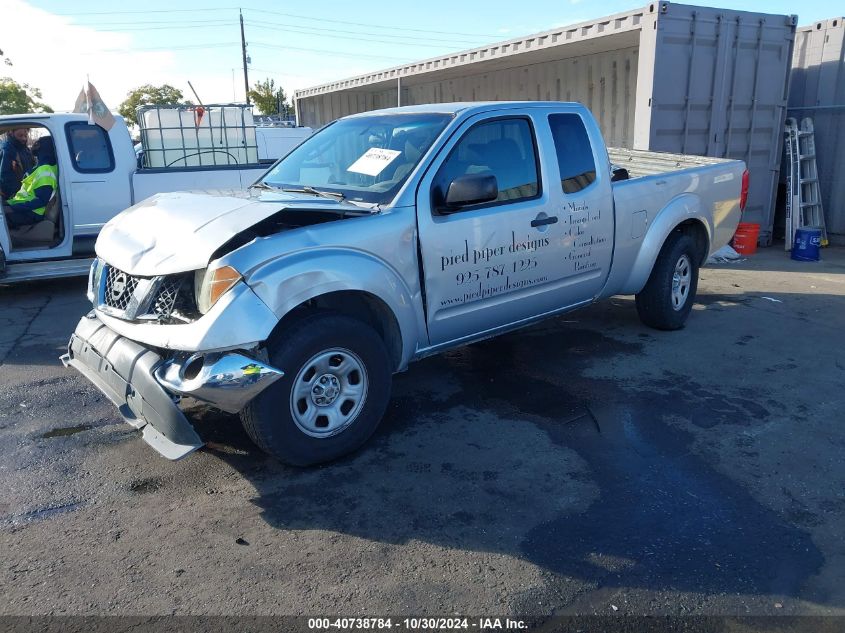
[
  {"x": 335, "y": 195},
  {"x": 263, "y": 185}
]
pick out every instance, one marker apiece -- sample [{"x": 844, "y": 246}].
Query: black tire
[
  {"x": 657, "y": 306},
  {"x": 269, "y": 419}
]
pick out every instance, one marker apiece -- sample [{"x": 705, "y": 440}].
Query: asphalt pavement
[{"x": 587, "y": 465}]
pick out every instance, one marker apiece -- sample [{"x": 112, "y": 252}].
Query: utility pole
[{"x": 243, "y": 53}]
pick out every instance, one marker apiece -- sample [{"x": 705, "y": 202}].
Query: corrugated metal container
[
  {"x": 667, "y": 77},
  {"x": 817, "y": 90}
]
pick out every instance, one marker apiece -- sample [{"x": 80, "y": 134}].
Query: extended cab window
[
  {"x": 574, "y": 152},
  {"x": 503, "y": 148},
  {"x": 90, "y": 149}
]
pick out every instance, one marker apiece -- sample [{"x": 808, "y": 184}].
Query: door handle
[{"x": 552, "y": 219}]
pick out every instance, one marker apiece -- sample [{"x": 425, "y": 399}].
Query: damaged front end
[
  {"x": 227, "y": 380},
  {"x": 146, "y": 387},
  {"x": 146, "y": 344},
  {"x": 172, "y": 318}
]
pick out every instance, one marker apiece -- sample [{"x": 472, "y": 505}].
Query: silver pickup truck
[{"x": 385, "y": 237}]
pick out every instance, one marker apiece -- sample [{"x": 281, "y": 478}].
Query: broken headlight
[
  {"x": 211, "y": 284},
  {"x": 95, "y": 275}
]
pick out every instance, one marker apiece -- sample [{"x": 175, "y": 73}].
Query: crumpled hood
[{"x": 178, "y": 232}]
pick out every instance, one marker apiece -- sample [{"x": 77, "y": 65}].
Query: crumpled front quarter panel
[{"x": 375, "y": 255}]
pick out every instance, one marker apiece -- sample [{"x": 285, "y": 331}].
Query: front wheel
[
  {"x": 669, "y": 293},
  {"x": 333, "y": 394}
]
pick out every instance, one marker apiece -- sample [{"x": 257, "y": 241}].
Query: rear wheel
[
  {"x": 669, "y": 293},
  {"x": 333, "y": 394}
]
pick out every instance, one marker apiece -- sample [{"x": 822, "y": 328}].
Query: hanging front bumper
[
  {"x": 145, "y": 387},
  {"x": 124, "y": 371},
  {"x": 227, "y": 380}
]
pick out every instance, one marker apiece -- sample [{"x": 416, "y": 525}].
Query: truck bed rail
[{"x": 645, "y": 163}]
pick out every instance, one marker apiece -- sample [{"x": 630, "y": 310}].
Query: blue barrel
[{"x": 805, "y": 248}]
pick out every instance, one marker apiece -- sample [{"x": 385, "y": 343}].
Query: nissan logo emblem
[{"x": 118, "y": 285}]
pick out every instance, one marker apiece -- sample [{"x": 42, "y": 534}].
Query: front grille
[
  {"x": 168, "y": 297},
  {"x": 120, "y": 287}
]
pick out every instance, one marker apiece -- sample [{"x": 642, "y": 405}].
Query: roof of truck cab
[
  {"x": 40, "y": 116},
  {"x": 465, "y": 107},
  {"x": 27, "y": 117}
]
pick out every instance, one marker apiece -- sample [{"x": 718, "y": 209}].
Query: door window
[
  {"x": 504, "y": 148},
  {"x": 90, "y": 149},
  {"x": 574, "y": 152}
]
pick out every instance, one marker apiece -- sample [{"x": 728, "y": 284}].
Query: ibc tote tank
[{"x": 197, "y": 136}]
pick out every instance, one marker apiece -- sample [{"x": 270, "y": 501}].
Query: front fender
[
  {"x": 288, "y": 281},
  {"x": 681, "y": 209}
]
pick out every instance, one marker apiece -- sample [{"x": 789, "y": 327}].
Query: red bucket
[{"x": 745, "y": 238}]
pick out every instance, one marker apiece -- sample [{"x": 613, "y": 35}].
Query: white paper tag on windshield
[{"x": 374, "y": 160}]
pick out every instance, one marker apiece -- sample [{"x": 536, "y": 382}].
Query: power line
[
  {"x": 182, "y": 47},
  {"x": 322, "y": 50},
  {"x": 370, "y": 24},
  {"x": 287, "y": 15},
  {"x": 204, "y": 9},
  {"x": 335, "y": 36},
  {"x": 266, "y": 24},
  {"x": 274, "y": 26},
  {"x": 155, "y": 22},
  {"x": 333, "y": 33},
  {"x": 166, "y": 28},
  {"x": 281, "y": 73},
  {"x": 238, "y": 44}
]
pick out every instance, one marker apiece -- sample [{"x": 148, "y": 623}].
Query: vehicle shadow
[{"x": 509, "y": 446}]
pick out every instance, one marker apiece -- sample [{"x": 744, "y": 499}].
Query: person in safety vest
[
  {"x": 30, "y": 202},
  {"x": 15, "y": 161}
]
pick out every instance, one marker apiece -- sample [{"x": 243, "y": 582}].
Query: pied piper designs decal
[{"x": 488, "y": 271}]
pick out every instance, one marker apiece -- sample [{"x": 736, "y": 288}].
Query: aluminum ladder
[{"x": 803, "y": 201}]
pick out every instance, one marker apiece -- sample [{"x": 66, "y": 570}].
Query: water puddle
[
  {"x": 41, "y": 513},
  {"x": 145, "y": 486},
  {"x": 66, "y": 431}
]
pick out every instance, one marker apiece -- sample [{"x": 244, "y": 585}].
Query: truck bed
[
  {"x": 657, "y": 180},
  {"x": 147, "y": 182},
  {"x": 645, "y": 163}
]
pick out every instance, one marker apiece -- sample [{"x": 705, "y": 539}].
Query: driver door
[{"x": 491, "y": 264}]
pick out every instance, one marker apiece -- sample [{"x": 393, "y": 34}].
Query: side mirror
[
  {"x": 470, "y": 189},
  {"x": 618, "y": 173}
]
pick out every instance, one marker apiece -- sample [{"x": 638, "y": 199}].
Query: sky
[{"x": 55, "y": 44}]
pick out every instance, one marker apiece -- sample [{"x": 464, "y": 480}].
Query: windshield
[{"x": 364, "y": 158}]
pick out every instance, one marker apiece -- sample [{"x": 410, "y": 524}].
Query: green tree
[
  {"x": 149, "y": 95},
  {"x": 18, "y": 98},
  {"x": 268, "y": 98}
]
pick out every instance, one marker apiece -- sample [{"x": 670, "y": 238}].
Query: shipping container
[
  {"x": 667, "y": 77},
  {"x": 817, "y": 90}
]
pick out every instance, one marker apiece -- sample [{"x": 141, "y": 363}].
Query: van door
[{"x": 96, "y": 194}]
